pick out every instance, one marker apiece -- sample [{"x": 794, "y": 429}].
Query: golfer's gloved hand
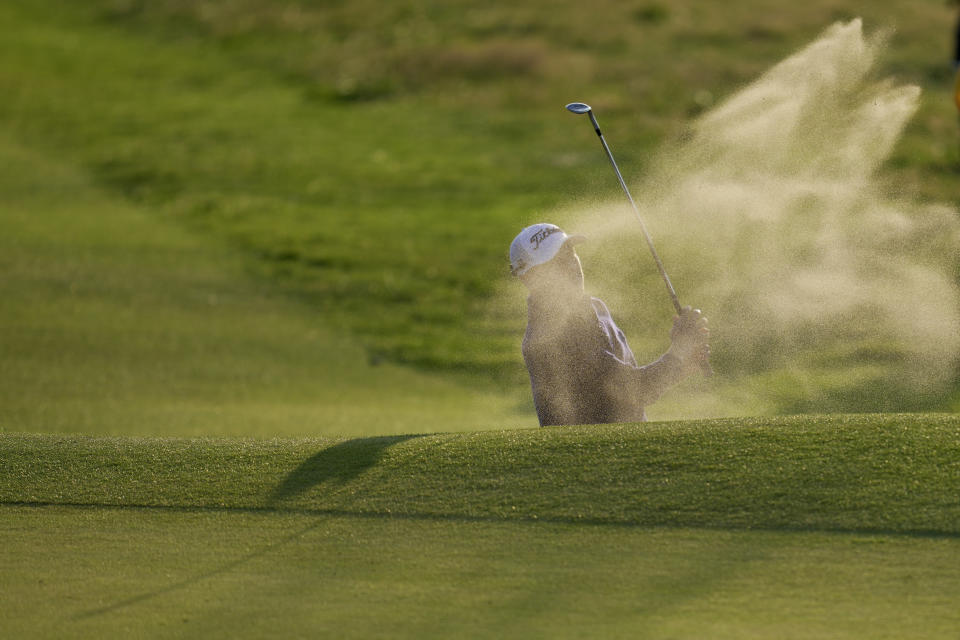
[{"x": 690, "y": 337}]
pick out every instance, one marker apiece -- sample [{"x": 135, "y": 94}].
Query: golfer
[{"x": 581, "y": 369}]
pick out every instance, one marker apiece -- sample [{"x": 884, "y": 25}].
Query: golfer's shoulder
[
  {"x": 606, "y": 322},
  {"x": 601, "y": 309}
]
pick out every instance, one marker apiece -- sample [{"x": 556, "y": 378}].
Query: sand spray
[{"x": 825, "y": 290}]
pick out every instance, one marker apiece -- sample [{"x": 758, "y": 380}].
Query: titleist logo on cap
[{"x": 542, "y": 235}]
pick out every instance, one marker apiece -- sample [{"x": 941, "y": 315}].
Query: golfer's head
[{"x": 543, "y": 256}]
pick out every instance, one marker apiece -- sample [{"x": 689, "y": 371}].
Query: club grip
[{"x": 703, "y": 359}]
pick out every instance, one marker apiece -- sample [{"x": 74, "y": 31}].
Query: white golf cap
[{"x": 537, "y": 244}]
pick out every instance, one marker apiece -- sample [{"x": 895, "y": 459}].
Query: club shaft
[{"x": 636, "y": 210}]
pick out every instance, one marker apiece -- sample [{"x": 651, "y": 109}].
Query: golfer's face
[{"x": 568, "y": 267}]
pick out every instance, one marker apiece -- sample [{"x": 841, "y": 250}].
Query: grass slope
[
  {"x": 897, "y": 473},
  {"x": 116, "y": 322}
]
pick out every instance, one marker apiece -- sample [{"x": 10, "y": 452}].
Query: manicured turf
[
  {"x": 838, "y": 526},
  {"x": 106, "y": 573}
]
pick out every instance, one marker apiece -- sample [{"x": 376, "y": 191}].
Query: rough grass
[{"x": 891, "y": 473}]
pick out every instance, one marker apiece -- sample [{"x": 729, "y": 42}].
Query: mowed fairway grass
[{"x": 840, "y": 527}]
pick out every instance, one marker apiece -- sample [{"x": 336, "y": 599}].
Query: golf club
[{"x": 581, "y": 108}]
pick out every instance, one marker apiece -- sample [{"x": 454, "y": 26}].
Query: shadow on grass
[
  {"x": 340, "y": 462},
  {"x": 704, "y": 576},
  {"x": 182, "y": 584}
]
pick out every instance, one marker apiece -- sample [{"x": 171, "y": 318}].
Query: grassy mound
[
  {"x": 897, "y": 473},
  {"x": 840, "y": 527}
]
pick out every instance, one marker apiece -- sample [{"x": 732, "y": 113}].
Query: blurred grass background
[
  {"x": 114, "y": 321},
  {"x": 368, "y": 164}
]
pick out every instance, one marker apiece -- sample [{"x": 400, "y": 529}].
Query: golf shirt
[{"x": 581, "y": 368}]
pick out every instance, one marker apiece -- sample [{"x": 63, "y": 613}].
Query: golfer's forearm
[{"x": 654, "y": 379}]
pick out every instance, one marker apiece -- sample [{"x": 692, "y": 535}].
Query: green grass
[
  {"x": 246, "y": 218},
  {"x": 894, "y": 473},
  {"x": 106, "y": 573},
  {"x": 117, "y": 322},
  {"x": 841, "y": 527}
]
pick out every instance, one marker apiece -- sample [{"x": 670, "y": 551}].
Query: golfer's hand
[{"x": 690, "y": 337}]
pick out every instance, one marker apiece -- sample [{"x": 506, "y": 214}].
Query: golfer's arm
[{"x": 652, "y": 380}]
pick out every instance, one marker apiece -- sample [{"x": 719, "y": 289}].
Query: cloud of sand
[{"x": 824, "y": 292}]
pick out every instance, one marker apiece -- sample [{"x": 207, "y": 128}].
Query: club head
[{"x": 578, "y": 107}]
